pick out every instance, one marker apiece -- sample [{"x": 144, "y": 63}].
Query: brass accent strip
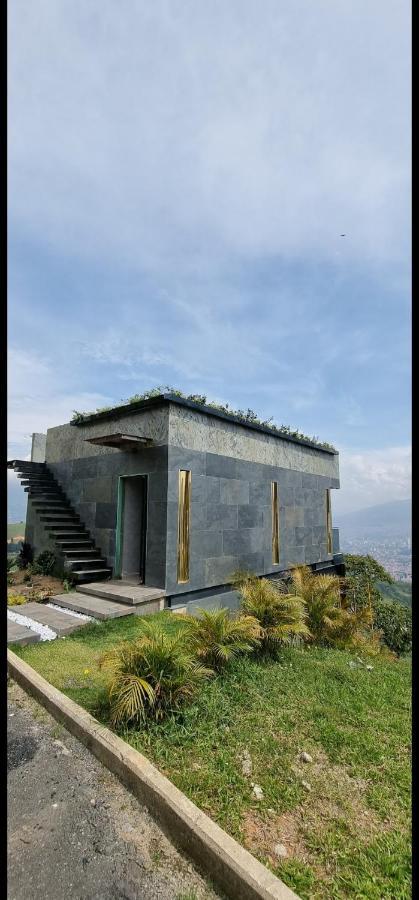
[
  {"x": 184, "y": 510},
  {"x": 329, "y": 522},
  {"x": 275, "y": 523}
]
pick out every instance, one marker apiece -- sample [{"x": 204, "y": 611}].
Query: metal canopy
[{"x": 120, "y": 441}]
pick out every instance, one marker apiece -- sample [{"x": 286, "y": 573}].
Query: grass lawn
[{"x": 347, "y": 830}]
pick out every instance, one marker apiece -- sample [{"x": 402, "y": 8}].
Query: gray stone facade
[{"x": 232, "y": 469}]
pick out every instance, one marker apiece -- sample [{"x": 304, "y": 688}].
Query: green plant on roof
[{"x": 247, "y": 416}]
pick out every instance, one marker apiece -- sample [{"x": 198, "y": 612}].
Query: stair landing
[
  {"x": 89, "y": 605},
  {"x": 123, "y": 592}
]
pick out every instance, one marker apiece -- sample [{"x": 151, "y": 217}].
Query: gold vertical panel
[
  {"x": 184, "y": 512},
  {"x": 275, "y": 523},
  {"x": 329, "y": 523}
]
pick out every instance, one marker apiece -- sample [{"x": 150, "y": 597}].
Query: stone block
[
  {"x": 85, "y": 467},
  {"x": 205, "y": 544},
  {"x": 219, "y": 570},
  {"x": 198, "y": 517},
  {"x": 221, "y": 466},
  {"x": 240, "y": 543},
  {"x": 252, "y": 562},
  {"x": 98, "y": 489},
  {"x": 105, "y": 515},
  {"x": 233, "y": 491},
  {"x": 212, "y": 484},
  {"x": 250, "y": 516},
  {"x": 191, "y": 460},
  {"x": 260, "y": 493},
  {"x": 221, "y": 517},
  {"x": 157, "y": 487}
]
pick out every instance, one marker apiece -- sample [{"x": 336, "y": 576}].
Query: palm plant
[
  {"x": 217, "y": 637},
  {"x": 281, "y": 616},
  {"x": 328, "y": 619},
  {"x": 152, "y": 675}
]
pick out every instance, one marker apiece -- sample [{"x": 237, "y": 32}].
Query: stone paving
[
  {"x": 93, "y": 606},
  {"x": 19, "y": 634}
]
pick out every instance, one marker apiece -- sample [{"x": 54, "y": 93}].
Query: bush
[
  {"x": 151, "y": 676},
  {"x": 281, "y": 616},
  {"x": 330, "y": 619},
  {"x": 217, "y": 636},
  {"x": 25, "y": 556},
  {"x": 15, "y": 599},
  {"x": 362, "y": 573},
  {"x": 395, "y": 623},
  {"x": 45, "y": 562}
]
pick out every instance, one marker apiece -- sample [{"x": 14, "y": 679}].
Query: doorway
[{"x": 131, "y": 528}]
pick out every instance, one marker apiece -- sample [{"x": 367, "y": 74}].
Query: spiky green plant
[
  {"x": 217, "y": 636},
  {"x": 329, "y": 619},
  {"x": 152, "y": 675},
  {"x": 281, "y": 616}
]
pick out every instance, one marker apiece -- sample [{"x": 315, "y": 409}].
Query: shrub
[
  {"x": 15, "y": 599},
  {"x": 330, "y": 619},
  {"x": 45, "y": 562},
  {"x": 281, "y": 616},
  {"x": 152, "y": 675},
  {"x": 362, "y": 572},
  {"x": 217, "y": 636},
  {"x": 395, "y": 623},
  {"x": 11, "y": 563},
  {"x": 25, "y": 556}
]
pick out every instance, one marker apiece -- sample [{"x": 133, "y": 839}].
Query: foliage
[
  {"x": 15, "y": 599},
  {"x": 330, "y": 620},
  {"x": 217, "y": 637},
  {"x": 25, "y": 556},
  {"x": 361, "y": 574},
  {"x": 248, "y": 415},
  {"x": 395, "y": 623},
  {"x": 68, "y": 584},
  {"x": 281, "y": 616},
  {"x": 11, "y": 564},
  {"x": 152, "y": 675},
  {"x": 400, "y": 591},
  {"x": 44, "y": 563}
]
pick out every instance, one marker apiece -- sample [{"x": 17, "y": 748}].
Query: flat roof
[{"x": 163, "y": 399}]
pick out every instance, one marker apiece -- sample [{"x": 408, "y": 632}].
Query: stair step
[
  {"x": 80, "y": 553},
  {"x": 81, "y": 535},
  {"x": 62, "y": 524},
  {"x": 92, "y": 606},
  {"x": 74, "y": 546},
  {"x": 121, "y": 592},
  {"x": 83, "y": 564},
  {"x": 92, "y": 574},
  {"x": 60, "y": 518}
]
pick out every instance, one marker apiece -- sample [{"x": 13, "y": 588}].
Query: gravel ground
[{"x": 74, "y": 832}]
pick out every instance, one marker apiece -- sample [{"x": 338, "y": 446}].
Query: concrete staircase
[
  {"x": 81, "y": 559},
  {"x": 111, "y": 599}
]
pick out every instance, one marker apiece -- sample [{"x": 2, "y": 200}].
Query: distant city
[{"x": 395, "y": 554}]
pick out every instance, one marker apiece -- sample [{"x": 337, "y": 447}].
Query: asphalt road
[{"x": 74, "y": 832}]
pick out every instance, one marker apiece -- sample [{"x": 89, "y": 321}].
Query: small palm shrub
[
  {"x": 151, "y": 676},
  {"x": 281, "y": 616},
  {"x": 44, "y": 563},
  {"x": 15, "y": 599},
  {"x": 330, "y": 618},
  {"x": 217, "y": 637}
]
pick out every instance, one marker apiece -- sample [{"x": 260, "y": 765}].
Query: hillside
[
  {"x": 15, "y": 528},
  {"x": 399, "y": 591}
]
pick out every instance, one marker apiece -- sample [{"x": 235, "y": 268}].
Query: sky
[{"x": 180, "y": 177}]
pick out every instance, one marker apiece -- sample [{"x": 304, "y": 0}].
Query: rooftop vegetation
[{"x": 248, "y": 416}]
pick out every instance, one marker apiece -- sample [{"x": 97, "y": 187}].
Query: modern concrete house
[{"x": 176, "y": 496}]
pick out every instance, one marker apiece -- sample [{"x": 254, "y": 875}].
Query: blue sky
[{"x": 180, "y": 174}]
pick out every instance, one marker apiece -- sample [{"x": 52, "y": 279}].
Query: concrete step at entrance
[
  {"x": 19, "y": 634},
  {"x": 92, "y": 606},
  {"x": 60, "y": 622},
  {"x": 89, "y": 575},
  {"x": 132, "y": 595}
]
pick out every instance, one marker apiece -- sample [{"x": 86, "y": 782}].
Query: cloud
[
  {"x": 372, "y": 477},
  {"x": 167, "y": 134}
]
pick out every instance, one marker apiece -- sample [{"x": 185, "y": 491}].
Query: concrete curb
[{"x": 228, "y": 864}]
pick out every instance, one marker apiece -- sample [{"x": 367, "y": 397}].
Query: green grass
[
  {"x": 349, "y": 836},
  {"x": 14, "y": 529}
]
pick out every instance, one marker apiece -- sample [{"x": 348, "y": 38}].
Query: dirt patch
[{"x": 39, "y": 588}]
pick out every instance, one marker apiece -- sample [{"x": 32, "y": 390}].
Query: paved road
[{"x": 73, "y": 831}]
